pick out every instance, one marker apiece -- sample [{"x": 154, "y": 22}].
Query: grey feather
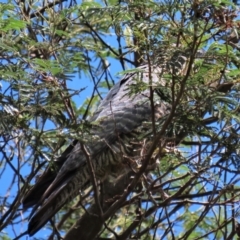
[{"x": 117, "y": 121}]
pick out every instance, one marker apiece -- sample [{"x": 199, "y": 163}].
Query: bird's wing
[
  {"x": 117, "y": 114},
  {"x": 122, "y": 111}
]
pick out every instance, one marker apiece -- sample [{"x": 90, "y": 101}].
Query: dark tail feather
[
  {"x": 36, "y": 192},
  {"x": 49, "y": 194},
  {"x": 46, "y": 179},
  {"x": 66, "y": 191}
]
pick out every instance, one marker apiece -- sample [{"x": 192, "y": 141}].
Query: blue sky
[
  {"x": 76, "y": 83},
  {"x": 79, "y": 99},
  {"x": 6, "y": 180}
]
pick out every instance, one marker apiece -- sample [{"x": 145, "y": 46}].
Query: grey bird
[{"x": 116, "y": 137}]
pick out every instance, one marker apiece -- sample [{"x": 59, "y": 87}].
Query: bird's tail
[{"x": 67, "y": 189}]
